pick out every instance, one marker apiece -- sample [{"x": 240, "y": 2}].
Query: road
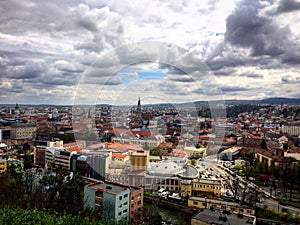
[{"x": 211, "y": 162}]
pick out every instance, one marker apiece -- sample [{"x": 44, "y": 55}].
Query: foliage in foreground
[
  {"x": 34, "y": 217},
  {"x": 272, "y": 215}
]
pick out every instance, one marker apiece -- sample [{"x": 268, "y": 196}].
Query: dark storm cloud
[
  {"x": 291, "y": 58},
  {"x": 288, "y": 6},
  {"x": 246, "y": 28}
]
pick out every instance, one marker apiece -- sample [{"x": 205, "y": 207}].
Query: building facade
[
  {"x": 23, "y": 131},
  {"x": 114, "y": 201},
  {"x": 206, "y": 203},
  {"x": 201, "y": 188}
]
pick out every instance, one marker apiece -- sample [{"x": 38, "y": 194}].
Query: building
[
  {"x": 138, "y": 117},
  {"x": 3, "y": 165},
  {"x": 114, "y": 201},
  {"x": 39, "y": 151},
  {"x": 57, "y": 157},
  {"x": 294, "y": 153},
  {"x": 150, "y": 142},
  {"x": 201, "y": 188},
  {"x": 92, "y": 164},
  {"x": 167, "y": 174},
  {"x": 23, "y": 131},
  {"x": 274, "y": 158},
  {"x": 193, "y": 152},
  {"x": 206, "y": 203},
  {"x": 139, "y": 160},
  {"x": 230, "y": 153},
  {"x": 215, "y": 216},
  {"x": 221, "y": 130},
  {"x": 291, "y": 128}
]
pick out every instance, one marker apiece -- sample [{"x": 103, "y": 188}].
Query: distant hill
[{"x": 266, "y": 101}]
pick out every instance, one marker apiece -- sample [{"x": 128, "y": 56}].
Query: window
[
  {"x": 132, "y": 198},
  {"x": 99, "y": 194},
  {"x": 120, "y": 198},
  {"x": 125, "y": 203},
  {"x": 139, "y": 202},
  {"x": 125, "y": 211},
  {"x": 120, "y": 213},
  {"x": 126, "y": 195},
  {"x": 195, "y": 203}
]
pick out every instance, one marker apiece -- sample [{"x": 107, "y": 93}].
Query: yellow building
[
  {"x": 196, "y": 152},
  {"x": 120, "y": 158},
  {"x": 3, "y": 165},
  {"x": 201, "y": 188},
  {"x": 206, "y": 203}
]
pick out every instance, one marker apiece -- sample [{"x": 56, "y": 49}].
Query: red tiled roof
[{"x": 118, "y": 156}]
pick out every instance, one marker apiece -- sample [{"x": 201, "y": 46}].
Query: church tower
[{"x": 138, "y": 117}]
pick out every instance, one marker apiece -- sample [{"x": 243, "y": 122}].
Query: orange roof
[
  {"x": 114, "y": 145},
  {"x": 118, "y": 156},
  {"x": 74, "y": 149}
]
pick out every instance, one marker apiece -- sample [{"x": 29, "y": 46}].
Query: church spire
[{"x": 138, "y": 117}]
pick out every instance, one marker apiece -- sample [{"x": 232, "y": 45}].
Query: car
[
  {"x": 160, "y": 191},
  {"x": 266, "y": 196}
]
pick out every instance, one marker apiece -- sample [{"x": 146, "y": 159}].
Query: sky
[{"x": 93, "y": 52}]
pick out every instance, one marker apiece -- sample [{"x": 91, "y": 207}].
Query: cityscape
[
  {"x": 155, "y": 113},
  {"x": 236, "y": 166}
]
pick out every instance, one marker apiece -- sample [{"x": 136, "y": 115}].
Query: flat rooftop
[
  {"x": 216, "y": 216},
  {"x": 110, "y": 187}
]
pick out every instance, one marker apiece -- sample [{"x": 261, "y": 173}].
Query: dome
[{"x": 166, "y": 167}]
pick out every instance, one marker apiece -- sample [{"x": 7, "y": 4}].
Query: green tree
[{"x": 193, "y": 162}]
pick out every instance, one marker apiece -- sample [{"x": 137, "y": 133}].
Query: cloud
[
  {"x": 49, "y": 49},
  {"x": 252, "y": 75},
  {"x": 288, "y": 6},
  {"x": 233, "y": 89},
  {"x": 245, "y": 27},
  {"x": 290, "y": 79}
]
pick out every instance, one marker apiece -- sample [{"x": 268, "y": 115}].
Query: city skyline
[{"x": 93, "y": 52}]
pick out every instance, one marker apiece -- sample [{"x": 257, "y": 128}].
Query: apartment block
[
  {"x": 23, "y": 131},
  {"x": 57, "y": 157},
  {"x": 114, "y": 201}
]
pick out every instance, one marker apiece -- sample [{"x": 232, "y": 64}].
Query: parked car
[{"x": 160, "y": 191}]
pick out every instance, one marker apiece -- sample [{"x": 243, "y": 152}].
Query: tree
[{"x": 193, "y": 162}]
